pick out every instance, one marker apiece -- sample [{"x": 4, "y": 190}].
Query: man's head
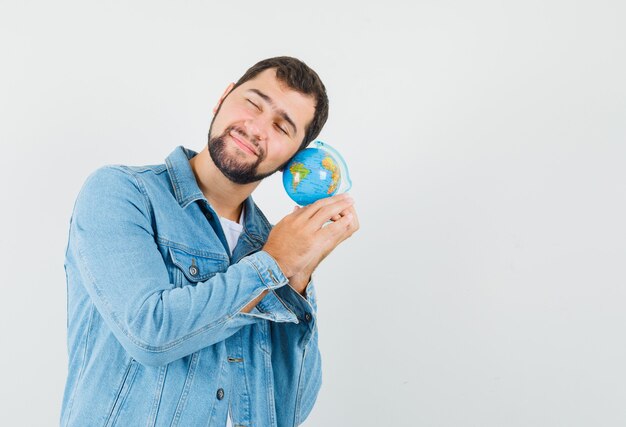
[{"x": 273, "y": 111}]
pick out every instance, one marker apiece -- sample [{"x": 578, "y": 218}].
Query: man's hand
[{"x": 301, "y": 240}]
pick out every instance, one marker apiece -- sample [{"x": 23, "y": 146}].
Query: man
[{"x": 185, "y": 307}]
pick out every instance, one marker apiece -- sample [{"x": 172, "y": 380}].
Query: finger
[
  {"x": 325, "y": 213},
  {"x": 343, "y": 213},
  {"x": 351, "y": 226},
  {"x": 338, "y": 231},
  {"x": 349, "y": 209},
  {"x": 355, "y": 218},
  {"x": 313, "y": 208}
]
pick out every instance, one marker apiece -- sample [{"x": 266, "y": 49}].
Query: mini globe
[{"x": 315, "y": 173}]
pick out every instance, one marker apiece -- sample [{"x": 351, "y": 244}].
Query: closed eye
[
  {"x": 281, "y": 129},
  {"x": 257, "y": 107}
]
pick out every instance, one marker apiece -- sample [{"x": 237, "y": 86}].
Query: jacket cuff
[
  {"x": 305, "y": 309},
  {"x": 266, "y": 266},
  {"x": 285, "y": 296},
  {"x": 271, "y": 307}
]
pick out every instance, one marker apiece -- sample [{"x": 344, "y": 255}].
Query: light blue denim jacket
[{"x": 156, "y": 336}]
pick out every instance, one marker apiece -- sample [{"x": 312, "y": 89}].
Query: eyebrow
[{"x": 281, "y": 113}]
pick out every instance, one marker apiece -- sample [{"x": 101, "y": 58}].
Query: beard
[{"x": 236, "y": 168}]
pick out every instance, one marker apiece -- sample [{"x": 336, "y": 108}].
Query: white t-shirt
[{"x": 232, "y": 231}]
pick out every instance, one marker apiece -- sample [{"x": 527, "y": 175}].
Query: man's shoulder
[
  {"x": 118, "y": 180},
  {"x": 120, "y": 173}
]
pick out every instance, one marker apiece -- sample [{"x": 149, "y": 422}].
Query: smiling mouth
[{"x": 243, "y": 144}]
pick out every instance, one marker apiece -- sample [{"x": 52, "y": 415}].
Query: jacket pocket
[
  {"x": 122, "y": 392},
  {"x": 197, "y": 266}
]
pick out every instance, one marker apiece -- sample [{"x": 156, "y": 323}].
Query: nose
[{"x": 257, "y": 128}]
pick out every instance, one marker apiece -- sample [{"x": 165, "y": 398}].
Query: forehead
[{"x": 298, "y": 106}]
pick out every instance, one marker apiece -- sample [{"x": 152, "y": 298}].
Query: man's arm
[{"x": 112, "y": 253}]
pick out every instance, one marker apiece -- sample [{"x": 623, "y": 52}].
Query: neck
[{"x": 225, "y": 196}]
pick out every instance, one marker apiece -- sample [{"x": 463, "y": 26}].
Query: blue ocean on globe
[{"x": 313, "y": 174}]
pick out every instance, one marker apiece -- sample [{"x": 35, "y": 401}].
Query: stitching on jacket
[{"x": 82, "y": 365}]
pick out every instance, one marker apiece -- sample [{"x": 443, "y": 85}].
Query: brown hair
[{"x": 298, "y": 76}]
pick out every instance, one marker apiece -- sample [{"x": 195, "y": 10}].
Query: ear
[{"x": 226, "y": 92}]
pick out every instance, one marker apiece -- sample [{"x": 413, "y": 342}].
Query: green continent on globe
[
  {"x": 298, "y": 173},
  {"x": 330, "y": 165}
]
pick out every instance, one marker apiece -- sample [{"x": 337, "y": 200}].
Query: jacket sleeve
[
  {"x": 112, "y": 243},
  {"x": 296, "y": 359}
]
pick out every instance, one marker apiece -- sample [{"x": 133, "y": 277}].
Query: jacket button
[
  {"x": 308, "y": 317},
  {"x": 220, "y": 394},
  {"x": 193, "y": 270}
]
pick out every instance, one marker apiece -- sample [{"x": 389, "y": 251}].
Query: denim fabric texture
[{"x": 156, "y": 336}]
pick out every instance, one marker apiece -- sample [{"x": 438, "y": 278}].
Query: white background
[{"x": 486, "y": 141}]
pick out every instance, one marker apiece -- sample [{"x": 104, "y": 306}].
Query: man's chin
[{"x": 241, "y": 177}]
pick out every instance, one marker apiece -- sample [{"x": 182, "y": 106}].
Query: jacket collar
[
  {"x": 183, "y": 180},
  {"x": 187, "y": 191}
]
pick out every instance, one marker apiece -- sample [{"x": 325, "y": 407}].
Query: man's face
[{"x": 257, "y": 127}]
